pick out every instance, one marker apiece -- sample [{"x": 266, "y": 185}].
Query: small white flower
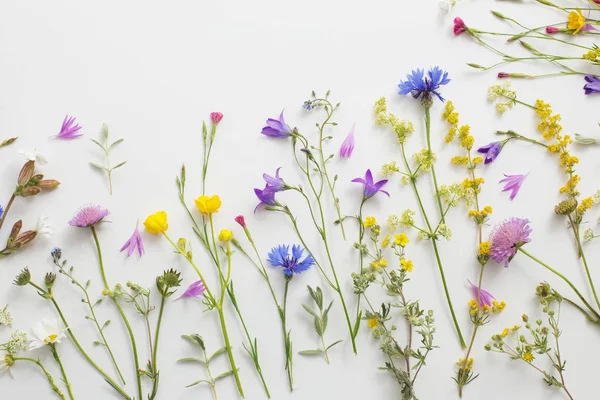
[
  {"x": 44, "y": 227},
  {"x": 5, "y": 317},
  {"x": 34, "y": 155},
  {"x": 45, "y": 333}
]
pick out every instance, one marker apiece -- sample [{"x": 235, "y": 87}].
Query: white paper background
[{"x": 153, "y": 70}]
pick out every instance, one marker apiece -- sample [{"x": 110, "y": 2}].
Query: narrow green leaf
[
  {"x": 99, "y": 166},
  {"x": 224, "y": 375},
  {"x": 311, "y": 352},
  {"x": 192, "y": 359},
  {"x": 318, "y": 326},
  {"x": 98, "y": 143},
  {"x": 311, "y": 312},
  {"x": 116, "y": 142},
  {"x": 333, "y": 344},
  {"x": 118, "y": 165},
  {"x": 217, "y": 353},
  {"x": 198, "y": 382}
]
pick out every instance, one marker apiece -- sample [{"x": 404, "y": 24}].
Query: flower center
[{"x": 50, "y": 339}]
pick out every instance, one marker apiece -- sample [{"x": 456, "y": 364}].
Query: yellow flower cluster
[
  {"x": 503, "y": 95},
  {"x": 372, "y": 322},
  {"x": 593, "y": 55},
  {"x": 528, "y": 356},
  {"x": 389, "y": 168},
  {"x": 401, "y": 239},
  {"x": 378, "y": 264},
  {"x": 383, "y": 117},
  {"x": 473, "y": 184},
  {"x": 576, "y": 21},
  {"x": 466, "y": 140},
  {"x": 407, "y": 265},
  {"x": 452, "y": 117},
  {"x": 494, "y": 309},
  {"x": 585, "y": 205},
  {"x": 480, "y": 216},
  {"x": 467, "y": 366},
  {"x": 484, "y": 248},
  {"x": 369, "y": 221},
  {"x": 386, "y": 241}
]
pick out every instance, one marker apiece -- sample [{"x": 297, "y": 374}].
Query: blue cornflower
[
  {"x": 418, "y": 84},
  {"x": 1, "y": 211},
  {"x": 279, "y": 257}
]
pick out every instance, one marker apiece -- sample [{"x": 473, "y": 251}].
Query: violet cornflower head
[
  {"x": 371, "y": 188},
  {"x": 275, "y": 182},
  {"x": 279, "y": 257},
  {"x": 89, "y": 216},
  {"x": 592, "y": 85},
  {"x": 513, "y": 183},
  {"x": 459, "y": 26},
  {"x": 418, "y": 84},
  {"x": 348, "y": 145},
  {"x": 69, "y": 129},
  {"x": 134, "y": 242},
  {"x": 196, "y": 289},
  {"x": 491, "y": 151},
  {"x": 266, "y": 197},
  {"x": 483, "y": 297},
  {"x": 507, "y": 237},
  {"x": 277, "y": 127}
]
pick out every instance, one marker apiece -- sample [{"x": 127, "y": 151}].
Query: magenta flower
[
  {"x": 240, "y": 220},
  {"x": 266, "y": 197},
  {"x": 513, "y": 183},
  {"x": 348, "y": 145},
  {"x": 592, "y": 85},
  {"x": 552, "y": 29},
  {"x": 134, "y": 242},
  {"x": 371, "y": 188},
  {"x": 277, "y": 128},
  {"x": 275, "y": 182},
  {"x": 216, "y": 117},
  {"x": 459, "y": 26},
  {"x": 503, "y": 75},
  {"x": 69, "y": 129},
  {"x": 507, "y": 237},
  {"x": 196, "y": 289},
  {"x": 89, "y": 216},
  {"x": 483, "y": 297}
]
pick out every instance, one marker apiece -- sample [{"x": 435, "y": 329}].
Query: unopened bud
[
  {"x": 15, "y": 230},
  {"x": 49, "y": 279},
  {"x": 36, "y": 178},
  {"x": 26, "y": 173},
  {"x": 23, "y": 239},
  {"x": 48, "y": 184},
  {"x": 30, "y": 191},
  {"x": 23, "y": 278}
]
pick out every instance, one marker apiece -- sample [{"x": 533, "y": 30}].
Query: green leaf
[
  {"x": 319, "y": 326},
  {"x": 357, "y": 325},
  {"x": 116, "y": 142},
  {"x": 99, "y": 166},
  {"x": 217, "y": 353},
  {"x": 311, "y": 352},
  {"x": 118, "y": 165},
  {"x": 195, "y": 339},
  {"x": 198, "y": 382},
  {"x": 311, "y": 312},
  {"x": 192, "y": 359},
  {"x": 333, "y": 344},
  {"x": 98, "y": 143},
  {"x": 224, "y": 375},
  {"x": 327, "y": 309}
]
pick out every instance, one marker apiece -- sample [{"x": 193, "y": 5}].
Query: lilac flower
[
  {"x": 266, "y": 197},
  {"x": 507, "y": 237},
  {"x": 513, "y": 183},
  {"x": 483, "y": 297},
  {"x": 196, "y": 289},
  {"x": 418, "y": 84},
  {"x": 348, "y": 144},
  {"x": 593, "y": 85},
  {"x": 491, "y": 151},
  {"x": 89, "y": 216},
  {"x": 69, "y": 129},
  {"x": 134, "y": 242},
  {"x": 277, "y": 127},
  {"x": 371, "y": 188},
  {"x": 279, "y": 257},
  {"x": 275, "y": 183}
]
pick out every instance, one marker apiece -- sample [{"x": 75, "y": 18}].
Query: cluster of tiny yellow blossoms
[
  {"x": 402, "y": 128},
  {"x": 467, "y": 366},
  {"x": 495, "y": 308},
  {"x": 484, "y": 248},
  {"x": 451, "y": 116},
  {"x": 474, "y": 184},
  {"x": 407, "y": 265},
  {"x": 550, "y": 129},
  {"x": 378, "y": 264},
  {"x": 585, "y": 204},
  {"x": 480, "y": 216},
  {"x": 389, "y": 168},
  {"x": 369, "y": 222},
  {"x": 593, "y": 55}
]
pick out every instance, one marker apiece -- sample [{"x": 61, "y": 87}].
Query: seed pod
[
  {"x": 15, "y": 230},
  {"x": 48, "y": 184},
  {"x": 30, "y": 191},
  {"x": 23, "y": 239},
  {"x": 26, "y": 173}
]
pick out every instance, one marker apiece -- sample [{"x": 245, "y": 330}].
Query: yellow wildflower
[
  {"x": 225, "y": 235},
  {"x": 484, "y": 248},
  {"x": 208, "y": 205},
  {"x": 369, "y": 221},
  {"x": 504, "y": 332},
  {"x": 593, "y": 55},
  {"x": 383, "y": 262},
  {"x": 407, "y": 265},
  {"x": 459, "y": 160},
  {"x": 157, "y": 223},
  {"x": 372, "y": 322},
  {"x": 497, "y": 307},
  {"x": 401, "y": 239},
  {"x": 386, "y": 241},
  {"x": 585, "y": 205},
  {"x": 528, "y": 357},
  {"x": 477, "y": 160},
  {"x": 576, "y": 21}
]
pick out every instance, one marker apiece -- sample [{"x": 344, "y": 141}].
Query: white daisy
[
  {"x": 34, "y": 155},
  {"x": 46, "y": 332},
  {"x": 43, "y": 226}
]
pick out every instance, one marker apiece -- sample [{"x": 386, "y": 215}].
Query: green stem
[
  {"x": 155, "y": 349},
  {"x": 55, "y": 388},
  {"x": 361, "y": 235},
  {"x": 515, "y": 135},
  {"x": 122, "y": 313},
  {"x": 288, "y": 350},
  {"x": 229, "y": 352},
  {"x": 435, "y": 183},
  {"x": 564, "y": 278},
  {"x": 585, "y": 264},
  {"x": 62, "y": 369},
  {"x": 7, "y": 209}
]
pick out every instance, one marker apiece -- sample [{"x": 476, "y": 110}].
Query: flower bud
[
  {"x": 30, "y": 191},
  {"x": 240, "y": 220},
  {"x": 543, "y": 290},
  {"x": 56, "y": 254},
  {"x": 26, "y": 173},
  {"x": 15, "y": 231},
  {"x": 216, "y": 117},
  {"x": 23, "y": 278},
  {"x": 49, "y": 279},
  {"x": 22, "y": 239},
  {"x": 48, "y": 184},
  {"x": 566, "y": 207}
]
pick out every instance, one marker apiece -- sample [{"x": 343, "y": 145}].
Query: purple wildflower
[
  {"x": 418, "y": 84},
  {"x": 69, "y": 129},
  {"x": 513, "y": 183},
  {"x": 196, "y": 289},
  {"x": 277, "y": 127},
  {"x": 483, "y": 297},
  {"x": 279, "y": 257},
  {"x": 592, "y": 85},
  {"x": 491, "y": 151},
  {"x": 134, "y": 242},
  {"x": 348, "y": 144},
  {"x": 89, "y": 216},
  {"x": 266, "y": 197},
  {"x": 507, "y": 237},
  {"x": 275, "y": 182},
  {"x": 371, "y": 188}
]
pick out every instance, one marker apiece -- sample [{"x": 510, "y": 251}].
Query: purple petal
[
  {"x": 368, "y": 178},
  {"x": 358, "y": 180},
  {"x": 348, "y": 145}
]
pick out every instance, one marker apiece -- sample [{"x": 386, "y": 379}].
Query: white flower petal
[{"x": 44, "y": 227}]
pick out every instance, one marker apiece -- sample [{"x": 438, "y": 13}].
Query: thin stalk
[
  {"x": 288, "y": 356},
  {"x": 229, "y": 352},
  {"x": 55, "y": 388},
  {"x": 559, "y": 363},
  {"x": 585, "y": 264},
  {"x": 361, "y": 235},
  {"x": 62, "y": 369},
  {"x": 122, "y": 313},
  {"x": 7, "y": 209},
  {"x": 435, "y": 183},
  {"x": 155, "y": 350}
]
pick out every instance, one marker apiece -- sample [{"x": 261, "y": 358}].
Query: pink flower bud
[
  {"x": 459, "y": 26},
  {"x": 240, "y": 220},
  {"x": 553, "y": 29},
  {"x": 503, "y": 75},
  {"x": 596, "y": 1},
  {"x": 216, "y": 117}
]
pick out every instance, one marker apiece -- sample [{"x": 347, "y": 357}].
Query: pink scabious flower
[
  {"x": 348, "y": 145},
  {"x": 69, "y": 129},
  {"x": 513, "y": 183},
  {"x": 483, "y": 297},
  {"x": 459, "y": 26},
  {"x": 134, "y": 242},
  {"x": 507, "y": 237},
  {"x": 216, "y": 117},
  {"x": 89, "y": 216},
  {"x": 196, "y": 289},
  {"x": 552, "y": 29},
  {"x": 240, "y": 220}
]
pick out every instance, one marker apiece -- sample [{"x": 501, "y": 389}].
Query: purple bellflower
[
  {"x": 592, "y": 85},
  {"x": 513, "y": 183},
  {"x": 196, "y": 289},
  {"x": 491, "y": 151},
  {"x": 134, "y": 242},
  {"x": 277, "y": 128},
  {"x": 371, "y": 188}
]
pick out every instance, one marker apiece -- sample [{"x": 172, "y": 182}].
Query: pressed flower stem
[
  {"x": 155, "y": 349},
  {"x": 121, "y": 312},
  {"x": 585, "y": 264},
  {"x": 435, "y": 184},
  {"x": 361, "y": 235},
  {"x": 55, "y": 388},
  {"x": 62, "y": 369},
  {"x": 108, "y": 379},
  {"x": 288, "y": 350},
  {"x": 219, "y": 306},
  {"x": 435, "y": 249},
  {"x": 12, "y": 199},
  {"x": 515, "y": 135},
  {"x": 555, "y": 272}
]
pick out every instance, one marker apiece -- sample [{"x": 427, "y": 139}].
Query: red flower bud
[
  {"x": 240, "y": 220},
  {"x": 216, "y": 117},
  {"x": 553, "y": 29}
]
